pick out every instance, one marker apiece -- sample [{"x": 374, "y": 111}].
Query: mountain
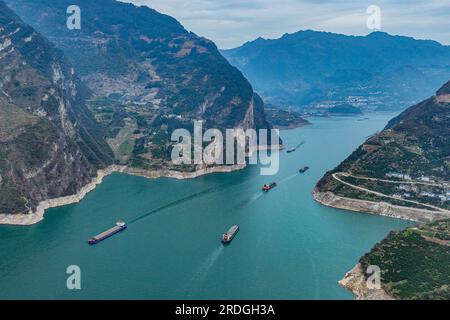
[
  {"x": 50, "y": 144},
  {"x": 413, "y": 265},
  {"x": 285, "y": 119},
  {"x": 406, "y": 165},
  {"x": 149, "y": 75},
  {"x": 318, "y": 70}
]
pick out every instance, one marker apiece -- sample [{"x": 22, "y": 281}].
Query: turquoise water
[{"x": 289, "y": 247}]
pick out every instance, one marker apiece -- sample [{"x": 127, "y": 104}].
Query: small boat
[
  {"x": 229, "y": 235},
  {"x": 304, "y": 169},
  {"x": 268, "y": 187},
  {"x": 120, "y": 226},
  {"x": 291, "y": 150}
]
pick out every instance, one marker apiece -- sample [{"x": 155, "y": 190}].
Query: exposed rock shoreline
[
  {"x": 179, "y": 174},
  {"x": 38, "y": 215},
  {"x": 22, "y": 219},
  {"x": 379, "y": 208},
  {"x": 355, "y": 281}
]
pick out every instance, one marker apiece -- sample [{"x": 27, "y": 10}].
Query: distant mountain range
[
  {"x": 50, "y": 143},
  {"x": 407, "y": 165},
  {"x": 321, "y": 70},
  {"x": 148, "y": 74}
]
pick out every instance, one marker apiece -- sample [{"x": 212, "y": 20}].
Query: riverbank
[
  {"x": 38, "y": 215},
  {"x": 166, "y": 217},
  {"x": 179, "y": 174},
  {"x": 379, "y": 208},
  {"x": 356, "y": 282}
]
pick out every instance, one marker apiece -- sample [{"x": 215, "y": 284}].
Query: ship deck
[{"x": 108, "y": 232}]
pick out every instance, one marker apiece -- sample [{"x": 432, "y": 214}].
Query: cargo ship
[
  {"x": 120, "y": 226},
  {"x": 304, "y": 169},
  {"x": 268, "y": 187},
  {"x": 228, "y": 237}
]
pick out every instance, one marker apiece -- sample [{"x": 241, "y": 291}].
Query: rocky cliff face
[
  {"x": 356, "y": 281},
  {"x": 50, "y": 144},
  {"x": 150, "y": 76},
  {"x": 443, "y": 94}
]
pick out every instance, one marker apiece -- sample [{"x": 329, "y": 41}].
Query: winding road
[{"x": 337, "y": 174}]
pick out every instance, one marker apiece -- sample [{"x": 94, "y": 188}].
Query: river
[{"x": 288, "y": 247}]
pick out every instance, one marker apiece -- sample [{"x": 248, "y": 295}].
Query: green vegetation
[
  {"x": 285, "y": 119},
  {"x": 324, "y": 72},
  {"x": 416, "y": 144},
  {"x": 145, "y": 69},
  {"x": 415, "y": 262},
  {"x": 12, "y": 120}
]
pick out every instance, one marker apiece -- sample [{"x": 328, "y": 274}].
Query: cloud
[{"x": 230, "y": 23}]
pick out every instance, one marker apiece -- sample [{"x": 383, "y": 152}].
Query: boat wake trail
[
  {"x": 259, "y": 194},
  {"x": 255, "y": 197},
  {"x": 300, "y": 144},
  {"x": 287, "y": 178},
  {"x": 174, "y": 203},
  {"x": 201, "y": 272}
]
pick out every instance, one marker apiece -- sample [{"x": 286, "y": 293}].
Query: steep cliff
[
  {"x": 50, "y": 144},
  {"x": 150, "y": 75}
]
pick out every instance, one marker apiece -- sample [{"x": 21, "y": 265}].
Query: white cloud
[{"x": 230, "y": 23}]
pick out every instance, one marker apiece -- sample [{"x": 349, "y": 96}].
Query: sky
[{"x": 230, "y": 23}]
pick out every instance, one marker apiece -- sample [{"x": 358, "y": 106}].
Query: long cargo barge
[
  {"x": 303, "y": 170},
  {"x": 120, "y": 226},
  {"x": 228, "y": 237}
]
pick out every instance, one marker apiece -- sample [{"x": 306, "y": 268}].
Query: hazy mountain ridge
[
  {"x": 150, "y": 76},
  {"x": 318, "y": 70},
  {"x": 51, "y": 145}
]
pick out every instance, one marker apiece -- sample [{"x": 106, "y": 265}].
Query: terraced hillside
[
  {"x": 406, "y": 164},
  {"x": 149, "y": 75},
  {"x": 414, "y": 263}
]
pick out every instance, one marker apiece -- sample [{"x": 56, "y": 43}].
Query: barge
[
  {"x": 231, "y": 233},
  {"x": 268, "y": 187},
  {"x": 303, "y": 170},
  {"x": 120, "y": 226}
]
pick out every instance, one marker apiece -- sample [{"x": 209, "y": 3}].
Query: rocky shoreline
[
  {"x": 38, "y": 215},
  {"x": 179, "y": 174},
  {"x": 355, "y": 281},
  {"x": 22, "y": 219},
  {"x": 379, "y": 208}
]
